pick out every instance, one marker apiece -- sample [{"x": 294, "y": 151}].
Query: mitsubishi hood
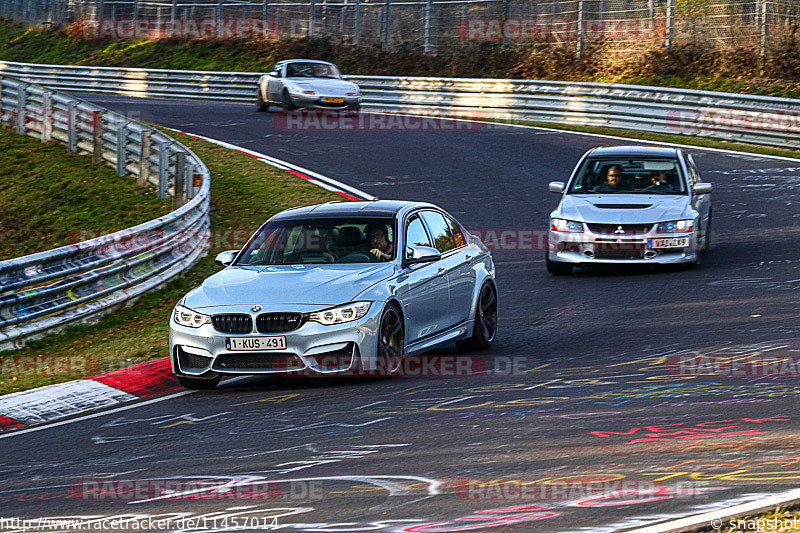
[
  {"x": 324, "y": 285},
  {"x": 619, "y": 208}
]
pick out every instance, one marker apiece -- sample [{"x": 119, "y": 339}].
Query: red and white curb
[
  {"x": 320, "y": 180},
  {"x": 145, "y": 379},
  {"x": 103, "y": 390}
]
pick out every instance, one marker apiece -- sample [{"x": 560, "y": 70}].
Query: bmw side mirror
[
  {"x": 556, "y": 187},
  {"x": 226, "y": 258},
  {"x": 421, "y": 254},
  {"x": 701, "y": 188},
  {"x": 273, "y": 74}
]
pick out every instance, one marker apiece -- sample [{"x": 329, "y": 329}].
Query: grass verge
[
  {"x": 48, "y": 196},
  {"x": 244, "y": 193}
]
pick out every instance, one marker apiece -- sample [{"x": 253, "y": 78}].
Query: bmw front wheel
[{"x": 391, "y": 339}]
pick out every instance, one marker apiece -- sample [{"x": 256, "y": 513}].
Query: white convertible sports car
[{"x": 306, "y": 83}]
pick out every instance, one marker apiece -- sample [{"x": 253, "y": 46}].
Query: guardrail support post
[
  {"x": 427, "y": 47},
  {"x": 144, "y": 159},
  {"x": 97, "y": 137},
  {"x": 356, "y": 20},
  {"x": 161, "y": 192},
  {"x": 197, "y": 182},
  {"x": 180, "y": 176},
  {"x": 670, "y": 22},
  {"x": 72, "y": 128},
  {"x": 22, "y": 96},
  {"x": 386, "y": 21},
  {"x": 764, "y": 27},
  {"x": 47, "y": 116},
  {"x": 312, "y": 15},
  {"x": 122, "y": 149},
  {"x": 580, "y": 28}
]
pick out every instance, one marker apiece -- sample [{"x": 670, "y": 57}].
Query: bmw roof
[
  {"x": 635, "y": 151},
  {"x": 375, "y": 208}
]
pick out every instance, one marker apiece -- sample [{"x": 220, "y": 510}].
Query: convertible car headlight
[
  {"x": 559, "y": 224},
  {"x": 186, "y": 317},
  {"x": 675, "y": 226},
  {"x": 337, "y": 315}
]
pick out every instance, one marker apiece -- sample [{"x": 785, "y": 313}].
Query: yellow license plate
[{"x": 332, "y": 100}]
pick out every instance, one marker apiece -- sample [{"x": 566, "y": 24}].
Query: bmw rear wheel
[
  {"x": 484, "y": 328},
  {"x": 391, "y": 339}
]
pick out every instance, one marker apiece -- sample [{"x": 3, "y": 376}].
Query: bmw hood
[
  {"x": 619, "y": 208},
  {"x": 324, "y": 285}
]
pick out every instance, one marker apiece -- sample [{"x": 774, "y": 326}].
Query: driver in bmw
[{"x": 379, "y": 243}]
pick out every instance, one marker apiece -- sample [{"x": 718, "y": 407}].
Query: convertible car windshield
[
  {"x": 629, "y": 176},
  {"x": 311, "y": 70},
  {"x": 321, "y": 240}
]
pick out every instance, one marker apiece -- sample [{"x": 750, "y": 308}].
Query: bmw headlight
[
  {"x": 338, "y": 315},
  {"x": 559, "y": 224},
  {"x": 675, "y": 226},
  {"x": 186, "y": 317}
]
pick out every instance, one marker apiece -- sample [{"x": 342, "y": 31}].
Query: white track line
[
  {"x": 47, "y": 425},
  {"x": 721, "y": 516},
  {"x": 314, "y": 177}
]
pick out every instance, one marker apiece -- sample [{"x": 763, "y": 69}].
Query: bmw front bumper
[
  {"x": 203, "y": 352},
  {"x": 602, "y": 248}
]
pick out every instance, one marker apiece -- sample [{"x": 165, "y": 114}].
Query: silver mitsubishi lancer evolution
[
  {"x": 630, "y": 204},
  {"x": 337, "y": 287}
]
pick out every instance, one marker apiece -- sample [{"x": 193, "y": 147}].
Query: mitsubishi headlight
[
  {"x": 675, "y": 226},
  {"x": 338, "y": 315},
  {"x": 186, "y": 317},
  {"x": 559, "y": 224}
]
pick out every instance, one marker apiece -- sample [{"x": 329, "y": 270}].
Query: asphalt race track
[{"x": 580, "y": 418}]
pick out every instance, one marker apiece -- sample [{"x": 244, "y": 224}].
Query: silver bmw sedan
[
  {"x": 630, "y": 204},
  {"x": 337, "y": 287}
]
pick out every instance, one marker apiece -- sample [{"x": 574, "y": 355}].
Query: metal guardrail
[
  {"x": 736, "y": 117},
  {"x": 43, "y": 291}
]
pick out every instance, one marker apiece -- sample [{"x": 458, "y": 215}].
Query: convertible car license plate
[
  {"x": 332, "y": 100},
  {"x": 675, "y": 242},
  {"x": 255, "y": 344}
]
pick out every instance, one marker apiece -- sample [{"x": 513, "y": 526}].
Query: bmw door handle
[{"x": 441, "y": 271}]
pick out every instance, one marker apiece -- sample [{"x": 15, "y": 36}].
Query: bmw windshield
[
  {"x": 629, "y": 176},
  {"x": 321, "y": 240}
]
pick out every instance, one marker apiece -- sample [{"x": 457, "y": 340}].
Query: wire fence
[{"x": 429, "y": 25}]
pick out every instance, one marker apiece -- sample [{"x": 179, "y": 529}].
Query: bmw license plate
[
  {"x": 255, "y": 344},
  {"x": 674, "y": 242},
  {"x": 332, "y": 100}
]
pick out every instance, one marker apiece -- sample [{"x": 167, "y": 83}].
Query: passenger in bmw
[{"x": 380, "y": 245}]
